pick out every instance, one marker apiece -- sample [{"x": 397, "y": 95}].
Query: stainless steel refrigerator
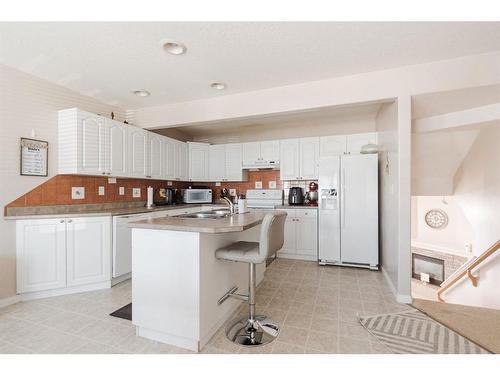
[{"x": 348, "y": 210}]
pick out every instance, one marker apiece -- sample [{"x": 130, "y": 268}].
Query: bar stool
[{"x": 254, "y": 329}]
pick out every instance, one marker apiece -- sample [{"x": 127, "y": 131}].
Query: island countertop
[{"x": 233, "y": 223}]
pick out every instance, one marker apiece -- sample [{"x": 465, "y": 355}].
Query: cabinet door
[
  {"x": 332, "y": 145},
  {"x": 92, "y": 144},
  {"x": 289, "y": 159},
  {"x": 217, "y": 163},
  {"x": 116, "y": 148},
  {"x": 154, "y": 160},
  {"x": 250, "y": 153},
  {"x": 41, "y": 254},
  {"x": 138, "y": 145},
  {"x": 234, "y": 171},
  {"x": 198, "y": 161},
  {"x": 88, "y": 249},
  {"x": 270, "y": 150},
  {"x": 307, "y": 237},
  {"x": 309, "y": 158},
  {"x": 356, "y": 141},
  {"x": 169, "y": 158},
  {"x": 181, "y": 161}
]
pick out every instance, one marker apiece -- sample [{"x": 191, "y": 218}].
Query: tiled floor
[{"x": 316, "y": 306}]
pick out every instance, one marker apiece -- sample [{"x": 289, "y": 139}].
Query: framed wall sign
[{"x": 34, "y": 157}]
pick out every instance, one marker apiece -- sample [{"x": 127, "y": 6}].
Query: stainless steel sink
[{"x": 216, "y": 214}]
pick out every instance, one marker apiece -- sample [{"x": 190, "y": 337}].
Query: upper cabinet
[
  {"x": 345, "y": 144},
  {"x": 198, "y": 154},
  {"x": 225, "y": 163},
  {"x": 181, "y": 161},
  {"x": 255, "y": 153},
  {"x": 168, "y": 158},
  {"x": 299, "y": 159},
  {"x": 116, "y": 136},
  {"x": 138, "y": 152},
  {"x": 154, "y": 161}
]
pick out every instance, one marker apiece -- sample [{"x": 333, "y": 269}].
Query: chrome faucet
[{"x": 229, "y": 203}]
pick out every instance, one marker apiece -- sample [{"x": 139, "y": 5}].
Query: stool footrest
[{"x": 232, "y": 293}]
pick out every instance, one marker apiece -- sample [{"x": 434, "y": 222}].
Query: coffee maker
[
  {"x": 167, "y": 197},
  {"x": 312, "y": 194}
]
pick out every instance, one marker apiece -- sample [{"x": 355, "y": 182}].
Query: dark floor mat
[{"x": 124, "y": 312}]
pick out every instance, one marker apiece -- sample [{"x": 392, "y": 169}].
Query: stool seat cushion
[{"x": 241, "y": 251}]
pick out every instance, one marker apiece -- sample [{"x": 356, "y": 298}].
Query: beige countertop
[
  {"x": 233, "y": 223},
  {"x": 67, "y": 212}
]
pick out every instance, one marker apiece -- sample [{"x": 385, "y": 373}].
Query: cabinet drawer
[
  {"x": 306, "y": 213},
  {"x": 289, "y": 213}
]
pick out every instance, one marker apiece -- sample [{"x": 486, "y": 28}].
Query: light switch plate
[
  {"x": 121, "y": 190},
  {"x": 100, "y": 190},
  {"x": 169, "y": 183},
  {"x": 272, "y": 184},
  {"x": 258, "y": 184},
  {"x": 78, "y": 192},
  {"x": 111, "y": 180},
  {"x": 136, "y": 192}
]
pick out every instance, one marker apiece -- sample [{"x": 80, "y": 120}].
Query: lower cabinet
[
  {"x": 60, "y": 253},
  {"x": 301, "y": 234}
]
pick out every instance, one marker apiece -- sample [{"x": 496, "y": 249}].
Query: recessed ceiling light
[
  {"x": 218, "y": 85},
  {"x": 142, "y": 93},
  {"x": 174, "y": 48}
]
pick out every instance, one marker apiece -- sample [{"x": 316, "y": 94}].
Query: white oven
[{"x": 197, "y": 195}]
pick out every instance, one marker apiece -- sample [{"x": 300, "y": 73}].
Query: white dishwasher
[{"x": 122, "y": 243}]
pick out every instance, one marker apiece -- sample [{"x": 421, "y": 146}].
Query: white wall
[
  {"x": 477, "y": 191},
  {"x": 28, "y": 103},
  {"x": 453, "y": 238},
  {"x": 443, "y": 75}
]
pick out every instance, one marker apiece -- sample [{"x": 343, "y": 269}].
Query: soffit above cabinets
[{"x": 108, "y": 60}]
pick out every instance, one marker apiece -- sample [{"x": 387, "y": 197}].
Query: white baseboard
[
  {"x": 64, "y": 291},
  {"x": 4, "y": 302},
  {"x": 401, "y": 298},
  {"x": 311, "y": 258},
  {"x": 119, "y": 279}
]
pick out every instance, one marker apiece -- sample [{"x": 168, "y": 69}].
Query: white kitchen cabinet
[
  {"x": 289, "y": 159},
  {"x": 61, "y": 253},
  {"x": 116, "y": 136},
  {"x": 168, "y": 158},
  {"x": 332, "y": 145},
  {"x": 181, "y": 161},
  {"x": 154, "y": 156},
  {"x": 88, "y": 250},
  {"x": 301, "y": 235},
  {"x": 309, "y": 158},
  {"x": 138, "y": 152},
  {"x": 345, "y": 144},
  {"x": 225, "y": 163},
  {"x": 217, "y": 162},
  {"x": 198, "y": 156},
  {"x": 299, "y": 159},
  {"x": 255, "y": 153},
  {"x": 41, "y": 254}
]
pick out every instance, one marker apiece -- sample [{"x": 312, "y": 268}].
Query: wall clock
[{"x": 436, "y": 218}]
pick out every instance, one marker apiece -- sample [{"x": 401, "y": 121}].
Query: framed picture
[{"x": 34, "y": 157}]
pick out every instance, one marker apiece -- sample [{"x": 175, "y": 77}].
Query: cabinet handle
[
  {"x": 109, "y": 173},
  {"x": 61, "y": 221},
  {"x": 103, "y": 173},
  {"x": 70, "y": 221}
]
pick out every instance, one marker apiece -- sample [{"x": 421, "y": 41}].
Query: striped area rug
[{"x": 412, "y": 332}]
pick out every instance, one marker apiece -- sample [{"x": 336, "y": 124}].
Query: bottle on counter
[{"x": 242, "y": 204}]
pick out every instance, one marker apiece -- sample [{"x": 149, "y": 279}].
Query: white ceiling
[{"x": 108, "y": 60}]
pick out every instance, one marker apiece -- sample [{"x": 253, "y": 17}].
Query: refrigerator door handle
[{"x": 342, "y": 206}]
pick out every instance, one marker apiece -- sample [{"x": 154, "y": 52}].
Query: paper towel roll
[
  {"x": 150, "y": 197},
  {"x": 242, "y": 206}
]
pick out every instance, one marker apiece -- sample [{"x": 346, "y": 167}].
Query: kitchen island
[{"x": 177, "y": 281}]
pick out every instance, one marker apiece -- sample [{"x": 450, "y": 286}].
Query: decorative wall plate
[{"x": 436, "y": 218}]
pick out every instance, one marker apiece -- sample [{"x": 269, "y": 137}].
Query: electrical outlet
[
  {"x": 136, "y": 192},
  {"x": 272, "y": 184},
  {"x": 101, "y": 191},
  {"x": 232, "y": 192},
  {"x": 78, "y": 192},
  {"x": 218, "y": 184},
  {"x": 121, "y": 190},
  {"x": 258, "y": 184},
  {"x": 111, "y": 180},
  {"x": 169, "y": 183}
]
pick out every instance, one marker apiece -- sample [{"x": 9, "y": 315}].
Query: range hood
[{"x": 262, "y": 164}]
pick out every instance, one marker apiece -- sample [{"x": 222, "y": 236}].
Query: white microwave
[{"x": 197, "y": 195}]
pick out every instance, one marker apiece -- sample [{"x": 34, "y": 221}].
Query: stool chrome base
[{"x": 262, "y": 331}]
